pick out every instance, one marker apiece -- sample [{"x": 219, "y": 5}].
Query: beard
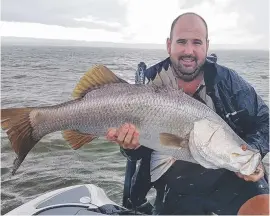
[{"x": 186, "y": 73}]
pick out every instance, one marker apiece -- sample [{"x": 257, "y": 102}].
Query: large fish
[{"x": 168, "y": 120}]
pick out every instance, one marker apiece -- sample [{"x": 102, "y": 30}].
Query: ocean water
[{"x": 39, "y": 76}]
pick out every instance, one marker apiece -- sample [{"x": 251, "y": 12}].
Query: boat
[{"x": 85, "y": 199}]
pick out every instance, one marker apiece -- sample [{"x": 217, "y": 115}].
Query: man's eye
[
  {"x": 181, "y": 41},
  {"x": 197, "y": 42}
]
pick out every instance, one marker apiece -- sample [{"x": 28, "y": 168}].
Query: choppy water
[{"x": 36, "y": 76}]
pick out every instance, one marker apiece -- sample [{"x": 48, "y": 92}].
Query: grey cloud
[
  {"x": 259, "y": 24},
  {"x": 186, "y": 4},
  {"x": 63, "y": 12},
  {"x": 257, "y": 10}
]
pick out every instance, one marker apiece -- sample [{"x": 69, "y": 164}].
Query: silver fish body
[
  {"x": 153, "y": 111},
  {"x": 168, "y": 120}
]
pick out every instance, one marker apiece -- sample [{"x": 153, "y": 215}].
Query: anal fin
[{"x": 77, "y": 139}]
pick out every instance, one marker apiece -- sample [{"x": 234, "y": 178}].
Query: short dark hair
[{"x": 188, "y": 13}]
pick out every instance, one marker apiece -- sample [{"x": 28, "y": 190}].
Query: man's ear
[
  {"x": 169, "y": 43},
  {"x": 207, "y": 45}
]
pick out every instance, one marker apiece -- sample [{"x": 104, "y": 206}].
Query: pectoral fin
[{"x": 171, "y": 140}]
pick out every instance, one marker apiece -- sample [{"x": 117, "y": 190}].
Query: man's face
[{"x": 188, "y": 47}]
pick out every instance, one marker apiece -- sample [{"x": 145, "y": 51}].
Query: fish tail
[{"x": 16, "y": 122}]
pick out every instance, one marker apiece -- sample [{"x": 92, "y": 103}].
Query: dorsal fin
[{"x": 97, "y": 76}]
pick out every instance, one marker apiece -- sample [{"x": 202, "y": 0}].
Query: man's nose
[{"x": 189, "y": 49}]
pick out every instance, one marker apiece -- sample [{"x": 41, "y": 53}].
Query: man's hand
[
  {"x": 259, "y": 173},
  {"x": 126, "y": 136}
]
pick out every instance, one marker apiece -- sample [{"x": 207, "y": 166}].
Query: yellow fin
[
  {"x": 171, "y": 140},
  {"x": 97, "y": 76},
  {"x": 77, "y": 139}
]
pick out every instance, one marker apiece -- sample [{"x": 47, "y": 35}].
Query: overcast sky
[{"x": 244, "y": 22}]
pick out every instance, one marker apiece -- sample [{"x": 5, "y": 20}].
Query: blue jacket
[{"x": 235, "y": 101}]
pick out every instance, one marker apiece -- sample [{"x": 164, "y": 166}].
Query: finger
[
  {"x": 129, "y": 136},
  {"x": 240, "y": 175},
  {"x": 256, "y": 176},
  {"x": 135, "y": 139},
  {"x": 260, "y": 172},
  {"x": 134, "y": 143},
  {"x": 122, "y": 132},
  {"x": 260, "y": 166},
  {"x": 111, "y": 134}
]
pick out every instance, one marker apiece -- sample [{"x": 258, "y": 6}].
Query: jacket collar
[
  {"x": 211, "y": 74},
  {"x": 210, "y": 68}
]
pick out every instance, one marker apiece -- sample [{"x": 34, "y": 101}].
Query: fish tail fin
[{"x": 16, "y": 122}]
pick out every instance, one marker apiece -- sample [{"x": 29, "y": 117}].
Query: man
[{"x": 183, "y": 187}]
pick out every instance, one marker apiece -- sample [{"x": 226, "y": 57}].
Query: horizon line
[{"x": 8, "y": 40}]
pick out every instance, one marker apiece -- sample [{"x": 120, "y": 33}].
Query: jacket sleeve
[
  {"x": 258, "y": 135},
  {"x": 137, "y": 154},
  {"x": 256, "y": 122}
]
